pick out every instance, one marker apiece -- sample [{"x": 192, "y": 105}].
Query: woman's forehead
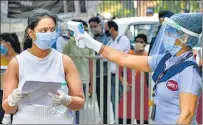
[{"x": 46, "y": 22}]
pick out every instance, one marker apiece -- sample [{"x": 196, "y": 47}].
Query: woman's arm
[
  {"x": 188, "y": 104},
  {"x": 74, "y": 84},
  {"x": 189, "y": 87},
  {"x": 139, "y": 63},
  {"x": 10, "y": 83}
]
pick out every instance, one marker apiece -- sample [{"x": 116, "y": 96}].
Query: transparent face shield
[{"x": 170, "y": 38}]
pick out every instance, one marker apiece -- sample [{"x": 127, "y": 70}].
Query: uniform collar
[{"x": 178, "y": 58}]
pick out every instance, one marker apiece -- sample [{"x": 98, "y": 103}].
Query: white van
[{"x": 132, "y": 26}]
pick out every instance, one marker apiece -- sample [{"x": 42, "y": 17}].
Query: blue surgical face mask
[
  {"x": 4, "y": 50},
  {"x": 170, "y": 47},
  {"x": 173, "y": 49},
  {"x": 45, "y": 40}
]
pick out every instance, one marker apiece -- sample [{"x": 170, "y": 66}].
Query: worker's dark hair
[
  {"x": 112, "y": 24},
  {"x": 94, "y": 19}
]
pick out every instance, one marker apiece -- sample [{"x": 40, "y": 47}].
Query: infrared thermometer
[{"x": 76, "y": 28}]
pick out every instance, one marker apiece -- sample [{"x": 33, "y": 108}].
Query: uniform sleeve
[
  {"x": 153, "y": 61},
  {"x": 190, "y": 81}
]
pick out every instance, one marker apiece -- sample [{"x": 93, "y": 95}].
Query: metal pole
[
  {"x": 101, "y": 89},
  {"x": 125, "y": 95},
  {"x": 77, "y": 7},
  {"x": 94, "y": 88},
  {"x": 65, "y": 6},
  {"x": 116, "y": 94},
  {"x": 133, "y": 98},
  {"x": 109, "y": 93},
  {"x": 87, "y": 98}
]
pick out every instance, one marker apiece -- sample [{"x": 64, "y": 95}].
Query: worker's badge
[{"x": 172, "y": 85}]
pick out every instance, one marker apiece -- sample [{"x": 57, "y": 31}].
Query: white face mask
[{"x": 139, "y": 46}]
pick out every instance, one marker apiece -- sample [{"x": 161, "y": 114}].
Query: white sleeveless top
[{"x": 48, "y": 69}]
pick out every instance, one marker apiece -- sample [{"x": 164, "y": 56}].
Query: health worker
[{"x": 176, "y": 74}]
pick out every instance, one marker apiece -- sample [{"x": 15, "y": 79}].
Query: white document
[{"x": 38, "y": 92}]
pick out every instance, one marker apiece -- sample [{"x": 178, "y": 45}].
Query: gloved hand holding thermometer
[
  {"x": 89, "y": 42},
  {"x": 75, "y": 29}
]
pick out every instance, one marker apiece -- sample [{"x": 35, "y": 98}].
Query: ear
[
  {"x": 7, "y": 44},
  {"x": 112, "y": 28},
  {"x": 177, "y": 42},
  {"x": 106, "y": 26},
  {"x": 31, "y": 34}
]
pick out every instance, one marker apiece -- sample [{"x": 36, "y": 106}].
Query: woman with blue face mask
[
  {"x": 9, "y": 49},
  {"x": 41, "y": 63},
  {"x": 176, "y": 75}
]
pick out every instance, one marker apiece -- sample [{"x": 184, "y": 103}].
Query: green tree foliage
[
  {"x": 125, "y": 8},
  {"x": 119, "y": 8},
  {"x": 178, "y": 5}
]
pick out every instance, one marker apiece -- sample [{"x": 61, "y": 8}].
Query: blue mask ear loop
[
  {"x": 35, "y": 36},
  {"x": 182, "y": 42}
]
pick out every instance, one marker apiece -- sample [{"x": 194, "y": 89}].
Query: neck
[
  {"x": 183, "y": 50},
  {"x": 38, "y": 52},
  {"x": 114, "y": 35}
]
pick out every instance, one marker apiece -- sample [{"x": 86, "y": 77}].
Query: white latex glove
[
  {"x": 6, "y": 119},
  {"x": 15, "y": 97},
  {"x": 86, "y": 40},
  {"x": 60, "y": 98}
]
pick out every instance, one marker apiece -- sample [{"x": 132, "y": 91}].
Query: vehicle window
[{"x": 148, "y": 29}]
